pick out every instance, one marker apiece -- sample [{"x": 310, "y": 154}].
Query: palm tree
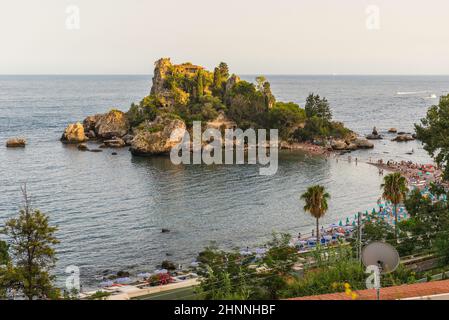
[
  {"x": 395, "y": 190},
  {"x": 315, "y": 199}
]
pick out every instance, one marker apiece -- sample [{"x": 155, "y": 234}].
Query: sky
[{"x": 252, "y": 36}]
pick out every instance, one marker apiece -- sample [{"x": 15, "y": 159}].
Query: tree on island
[
  {"x": 221, "y": 75},
  {"x": 395, "y": 190},
  {"x": 31, "y": 240},
  {"x": 318, "y": 107},
  {"x": 315, "y": 199},
  {"x": 434, "y": 133}
]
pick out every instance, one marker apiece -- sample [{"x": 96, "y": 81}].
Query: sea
[{"x": 110, "y": 209}]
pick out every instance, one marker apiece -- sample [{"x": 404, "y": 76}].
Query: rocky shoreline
[{"x": 173, "y": 105}]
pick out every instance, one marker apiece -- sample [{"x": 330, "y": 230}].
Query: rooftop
[{"x": 423, "y": 290}]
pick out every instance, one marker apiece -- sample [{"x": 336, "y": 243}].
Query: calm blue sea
[{"x": 110, "y": 209}]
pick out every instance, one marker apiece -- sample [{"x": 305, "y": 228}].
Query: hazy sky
[{"x": 252, "y": 36}]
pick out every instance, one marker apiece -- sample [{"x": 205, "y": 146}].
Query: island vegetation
[{"x": 184, "y": 93}]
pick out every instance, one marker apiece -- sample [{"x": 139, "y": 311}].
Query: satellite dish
[{"x": 382, "y": 255}]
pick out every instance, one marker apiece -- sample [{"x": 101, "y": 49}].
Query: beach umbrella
[
  {"x": 245, "y": 252},
  {"x": 107, "y": 283},
  {"x": 340, "y": 224},
  {"x": 144, "y": 275},
  {"x": 161, "y": 271},
  {"x": 124, "y": 280},
  {"x": 347, "y": 221}
]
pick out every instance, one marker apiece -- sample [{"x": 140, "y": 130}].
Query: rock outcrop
[
  {"x": 351, "y": 144},
  {"x": 115, "y": 143},
  {"x": 221, "y": 122},
  {"x": 83, "y": 147},
  {"x": 363, "y": 143},
  {"x": 161, "y": 69},
  {"x": 74, "y": 133},
  {"x": 16, "y": 143},
  {"x": 403, "y": 138},
  {"x": 90, "y": 122},
  {"x": 374, "y": 135},
  {"x": 339, "y": 145},
  {"x": 111, "y": 124},
  {"x": 154, "y": 138},
  {"x": 392, "y": 130}
]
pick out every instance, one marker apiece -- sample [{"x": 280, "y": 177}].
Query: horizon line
[{"x": 241, "y": 75}]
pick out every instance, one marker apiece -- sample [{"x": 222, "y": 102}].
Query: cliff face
[
  {"x": 162, "y": 68},
  {"x": 164, "y": 74}
]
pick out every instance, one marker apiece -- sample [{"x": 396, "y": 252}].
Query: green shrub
[
  {"x": 285, "y": 117},
  {"x": 147, "y": 109}
]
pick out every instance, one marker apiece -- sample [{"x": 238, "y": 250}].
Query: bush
[
  {"x": 169, "y": 265},
  {"x": 147, "y": 109},
  {"x": 285, "y": 117},
  {"x": 317, "y": 128}
]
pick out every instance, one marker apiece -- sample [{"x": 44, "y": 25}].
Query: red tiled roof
[{"x": 389, "y": 293}]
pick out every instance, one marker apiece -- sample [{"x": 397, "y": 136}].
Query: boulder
[
  {"x": 91, "y": 134},
  {"x": 115, "y": 143},
  {"x": 392, "y": 130},
  {"x": 128, "y": 139},
  {"x": 339, "y": 145},
  {"x": 374, "y": 137},
  {"x": 363, "y": 143},
  {"x": 90, "y": 122},
  {"x": 16, "y": 143},
  {"x": 74, "y": 133},
  {"x": 351, "y": 137},
  {"x": 112, "y": 124},
  {"x": 83, "y": 147},
  {"x": 403, "y": 138},
  {"x": 154, "y": 137},
  {"x": 352, "y": 146}
]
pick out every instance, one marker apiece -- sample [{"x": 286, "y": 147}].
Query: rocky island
[{"x": 184, "y": 93}]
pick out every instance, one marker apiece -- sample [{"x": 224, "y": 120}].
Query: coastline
[{"x": 306, "y": 147}]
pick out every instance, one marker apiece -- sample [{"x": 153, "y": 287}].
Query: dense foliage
[
  {"x": 203, "y": 95},
  {"x": 30, "y": 255},
  {"x": 434, "y": 133},
  {"x": 231, "y": 275}
]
